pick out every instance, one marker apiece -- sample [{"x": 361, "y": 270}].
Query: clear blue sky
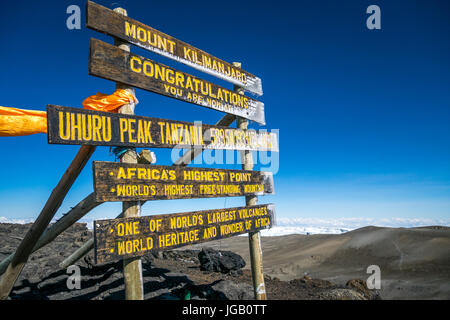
[{"x": 364, "y": 115}]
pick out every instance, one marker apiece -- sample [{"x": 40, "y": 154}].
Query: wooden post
[
  {"x": 78, "y": 254},
  {"x": 34, "y": 233},
  {"x": 132, "y": 268},
  {"x": 254, "y": 238},
  {"x": 81, "y": 251}
]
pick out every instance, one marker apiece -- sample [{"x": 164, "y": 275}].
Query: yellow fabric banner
[{"x": 20, "y": 122}]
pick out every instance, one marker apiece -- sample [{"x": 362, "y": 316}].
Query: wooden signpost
[
  {"x": 130, "y": 236},
  {"x": 80, "y": 126},
  {"x": 130, "y": 182},
  {"x": 107, "y": 21},
  {"x": 133, "y": 237},
  {"x": 112, "y": 63}
]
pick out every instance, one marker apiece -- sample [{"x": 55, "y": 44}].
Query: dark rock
[
  {"x": 217, "y": 290},
  {"x": 341, "y": 294},
  {"x": 308, "y": 282},
  {"x": 220, "y": 261},
  {"x": 181, "y": 255},
  {"x": 361, "y": 287},
  {"x": 226, "y": 289}
]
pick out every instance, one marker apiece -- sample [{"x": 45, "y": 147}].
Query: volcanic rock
[{"x": 220, "y": 261}]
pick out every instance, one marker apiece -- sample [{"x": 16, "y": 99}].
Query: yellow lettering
[
  {"x": 170, "y": 76},
  {"x": 62, "y": 135},
  {"x": 87, "y": 129},
  {"x": 146, "y": 65},
  {"x": 159, "y": 72},
  {"x": 141, "y": 34},
  {"x": 130, "y": 30},
  {"x": 76, "y": 126},
  {"x": 123, "y": 124},
  {"x": 148, "y": 133},
  {"x": 131, "y": 130},
  {"x": 106, "y": 129},
  {"x": 132, "y": 64}
]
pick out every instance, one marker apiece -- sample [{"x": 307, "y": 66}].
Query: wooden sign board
[
  {"x": 112, "y": 63},
  {"x": 81, "y": 126},
  {"x": 138, "y": 236},
  {"x": 114, "y": 181},
  {"x": 109, "y": 22}
]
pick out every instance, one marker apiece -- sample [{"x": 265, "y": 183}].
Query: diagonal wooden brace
[
  {"x": 57, "y": 196},
  {"x": 76, "y": 213}
]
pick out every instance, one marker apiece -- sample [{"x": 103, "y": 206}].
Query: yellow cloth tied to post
[
  {"x": 20, "y": 122},
  {"x": 109, "y": 103}
]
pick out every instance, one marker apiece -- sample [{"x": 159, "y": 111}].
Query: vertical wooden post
[
  {"x": 132, "y": 268},
  {"x": 57, "y": 196},
  {"x": 254, "y": 238}
]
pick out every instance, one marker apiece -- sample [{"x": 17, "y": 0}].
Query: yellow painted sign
[
  {"x": 112, "y": 63},
  {"x": 80, "y": 126},
  {"x": 130, "y": 182},
  {"x": 131, "y": 237},
  {"x": 107, "y": 21}
]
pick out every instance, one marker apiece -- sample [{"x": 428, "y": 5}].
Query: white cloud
[
  {"x": 19, "y": 221},
  {"x": 286, "y": 226}
]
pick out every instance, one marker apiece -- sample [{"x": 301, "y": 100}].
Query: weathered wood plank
[
  {"x": 107, "y": 21},
  {"x": 129, "y": 182},
  {"x": 77, "y": 126},
  {"x": 109, "y": 62},
  {"x": 131, "y": 237}
]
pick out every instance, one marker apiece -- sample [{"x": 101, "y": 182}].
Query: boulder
[
  {"x": 341, "y": 294},
  {"x": 220, "y": 261},
  {"x": 361, "y": 287},
  {"x": 222, "y": 290},
  {"x": 232, "y": 291}
]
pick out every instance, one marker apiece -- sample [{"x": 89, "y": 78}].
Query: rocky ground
[
  {"x": 414, "y": 263},
  {"x": 173, "y": 274}
]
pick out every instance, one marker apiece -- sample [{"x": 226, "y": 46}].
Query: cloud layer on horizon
[{"x": 285, "y": 226}]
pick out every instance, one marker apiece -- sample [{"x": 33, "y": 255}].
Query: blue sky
[{"x": 363, "y": 114}]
